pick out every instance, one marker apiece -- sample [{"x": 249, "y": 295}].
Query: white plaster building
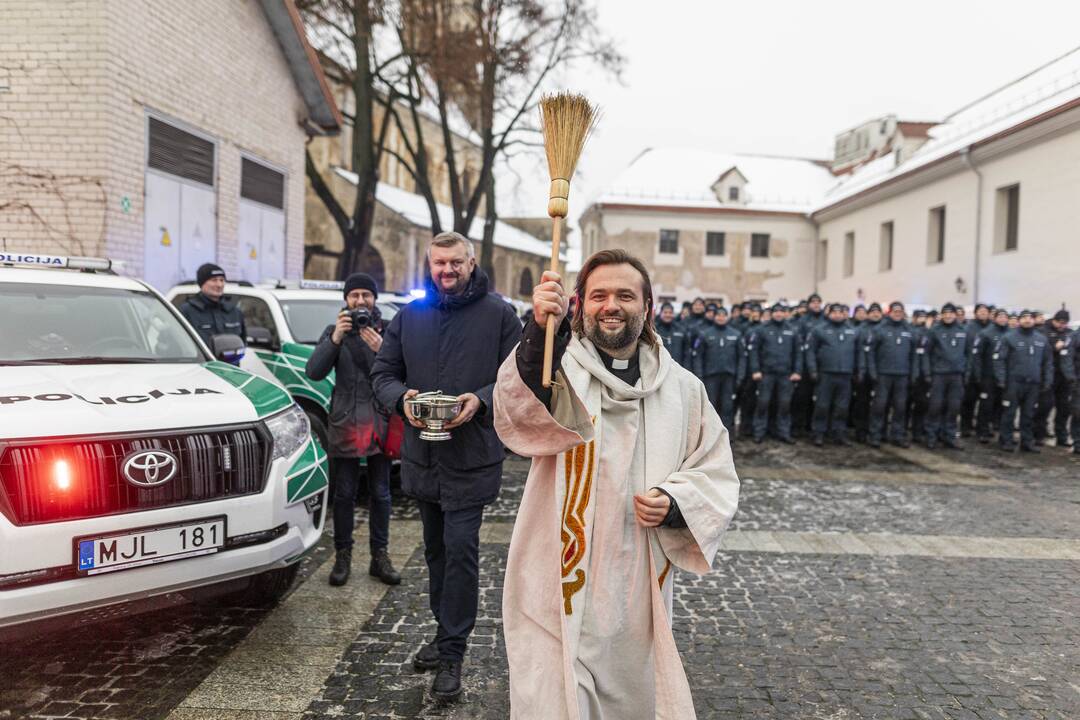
[{"x": 981, "y": 207}]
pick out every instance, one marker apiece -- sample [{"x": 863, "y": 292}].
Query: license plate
[{"x": 148, "y": 546}]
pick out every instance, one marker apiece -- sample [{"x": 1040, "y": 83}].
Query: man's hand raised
[{"x": 549, "y": 299}]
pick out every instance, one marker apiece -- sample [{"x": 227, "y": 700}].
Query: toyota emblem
[{"x": 150, "y": 468}]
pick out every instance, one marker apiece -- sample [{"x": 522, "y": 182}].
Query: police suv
[
  {"x": 284, "y": 320},
  {"x": 133, "y": 460}
]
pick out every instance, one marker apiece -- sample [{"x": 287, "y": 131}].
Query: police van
[
  {"x": 284, "y": 320},
  {"x": 135, "y": 461}
]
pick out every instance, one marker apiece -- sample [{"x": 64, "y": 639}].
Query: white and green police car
[
  {"x": 284, "y": 321},
  {"x": 132, "y": 461}
]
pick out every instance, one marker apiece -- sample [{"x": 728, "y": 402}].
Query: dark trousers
[
  {"x": 1076, "y": 417},
  {"x": 860, "y": 408},
  {"x": 346, "y": 479},
  {"x": 989, "y": 412},
  {"x": 831, "y": 404},
  {"x": 720, "y": 389},
  {"x": 452, "y": 551},
  {"x": 780, "y": 387},
  {"x": 968, "y": 408},
  {"x": 747, "y": 407},
  {"x": 918, "y": 407},
  {"x": 890, "y": 391},
  {"x": 1020, "y": 397},
  {"x": 802, "y": 406},
  {"x": 946, "y": 400},
  {"x": 1057, "y": 399}
]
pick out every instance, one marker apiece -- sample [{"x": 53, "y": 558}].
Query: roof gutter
[{"x": 965, "y": 155}]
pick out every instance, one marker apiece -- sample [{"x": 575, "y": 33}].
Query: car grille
[{"x": 213, "y": 464}]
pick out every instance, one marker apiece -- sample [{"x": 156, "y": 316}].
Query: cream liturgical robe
[{"x": 588, "y": 592}]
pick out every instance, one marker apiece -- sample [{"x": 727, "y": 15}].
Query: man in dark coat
[
  {"x": 982, "y": 370},
  {"x": 832, "y": 355},
  {"x": 775, "y": 360},
  {"x": 1055, "y": 399},
  {"x": 210, "y": 312},
  {"x": 946, "y": 364},
  {"x": 721, "y": 363},
  {"x": 671, "y": 332},
  {"x": 358, "y": 428},
  {"x": 1023, "y": 367},
  {"x": 452, "y": 340},
  {"x": 892, "y": 366}
]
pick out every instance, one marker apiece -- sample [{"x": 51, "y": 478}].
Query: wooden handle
[{"x": 549, "y": 331}]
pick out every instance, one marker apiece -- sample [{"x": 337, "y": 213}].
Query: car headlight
[{"x": 290, "y": 429}]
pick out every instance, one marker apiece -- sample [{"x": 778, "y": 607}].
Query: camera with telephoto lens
[{"x": 361, "y": 318}]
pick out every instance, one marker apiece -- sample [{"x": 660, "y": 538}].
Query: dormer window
[
  {"x": 729, "y": 187},
  {"x": 733, "y": 193}
]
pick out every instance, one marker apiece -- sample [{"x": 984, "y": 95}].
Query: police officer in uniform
[
  {"x": 892, "y": 366},
  {"x": 1070, "y": 368},
  {"x": 832, "y": 352},
  {"x": 863, "y": 389},
  {"x": 673, "y": 335},
  {"x": 968, "y": 410},
  {"x": 721, "y": 365},
  {"x": 747, "y": 400},
  {"x": 946, "y": 364},
  {"x": 776, "y": 362},
  {"x": 1023, "y": 367},
  {"x": 982, "y": 371},
  {"x": 802, "y": 403},
  {"x": 1057, "y": 397},
  {"x": 210, "y": 312}
]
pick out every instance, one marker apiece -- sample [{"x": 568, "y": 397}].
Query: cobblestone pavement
[{"x": 796, "y": 622}]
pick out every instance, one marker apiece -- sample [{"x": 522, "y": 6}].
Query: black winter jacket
[
  {"x": 775, "y": 348},
  {"x": 454, "y": 344},
  {"x": 1024, "y": 356},
  {"x": 832, "y": 348},
  {"x": 721, "y": 353},
  {"x": 893, "y": 347},
  {"x": 946, "y": 350},
  {"x": 210, "y": 318},
  {"x": 674, "y": 338},
  {"x": 357, "y": 423}
]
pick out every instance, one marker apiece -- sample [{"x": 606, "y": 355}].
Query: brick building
[{"x": 161, "y": 134}]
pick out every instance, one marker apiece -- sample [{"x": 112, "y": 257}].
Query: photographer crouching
[{"x": 358, "y": 427}]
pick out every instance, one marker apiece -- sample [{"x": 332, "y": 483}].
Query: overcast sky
[{"x": 784, "y": 77}]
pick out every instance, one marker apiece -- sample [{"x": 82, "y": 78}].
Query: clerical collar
[{"x": 626, "y": 370}]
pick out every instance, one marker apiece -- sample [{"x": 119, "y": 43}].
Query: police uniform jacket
[
  {"x": 893, "y": 350},
  {"x": 1024, "y": 356},
  {"x": 946, "y": 350},
  {"x": 775, "y": 348},
  {"x": 982, "y": 354},
  {"x": 210, "y": 318},
  {"x": 1069, "y": 357},
  {"x": 721, "y": 353},
  {"x": 832, "y": 348},
  {"x": 674, "y": 338}
]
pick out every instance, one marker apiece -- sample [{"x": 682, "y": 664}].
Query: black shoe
[
  {"x": 427, "y": 657},
  {"x": 788, "y": 440},
  {"x": 902, "y": 444},
  {"x": 447, "y": 683},
  {"x": 382, "y": 568},
  {"x": 342, "y": 567},
  {"x": 931, "y": 445},
  {"x": 759, "y": 440},
  {"x": 874, "y": 444},
  {"x": 841, "y": 442},
  {"x": 1030, "y": 448},
  {"x": 953, "y": 445},
  {"x": 819, "y": 441}
]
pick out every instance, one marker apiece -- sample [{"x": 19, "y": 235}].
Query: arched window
[{"x": 525, "y": 285}]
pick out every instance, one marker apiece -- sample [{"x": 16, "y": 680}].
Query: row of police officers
[{"x": 931, "y": 376}]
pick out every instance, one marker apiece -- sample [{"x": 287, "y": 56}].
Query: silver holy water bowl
[{"x": 435, "y": 410}]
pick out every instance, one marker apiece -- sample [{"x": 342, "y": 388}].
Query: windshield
[
  {"x": 62, "y": 324},
  {"x": 308, "y": 318}
]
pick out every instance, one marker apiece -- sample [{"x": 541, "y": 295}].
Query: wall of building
[
  {"x": 74, "y": 134},
  {"x": 218, "y": 68},
  {"x": 54, "y": 72},
  {"x": 1040, "y": 273},
  {"x": 734, "y": 277}
]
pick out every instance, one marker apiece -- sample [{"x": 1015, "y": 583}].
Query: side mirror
[
  {"x": 227, "y": 348},
  {"x": 260, "y": 337}
]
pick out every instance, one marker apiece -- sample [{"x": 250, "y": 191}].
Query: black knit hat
[
  {"x": 1026, "y": 311},
  {"x": 895, "y": 304},
  {"x": 778, "y": 306},
  {"x": 948, "y": 307},
  {"x": 874, "y": 306},
  {"x": 1062, "y": 315},
  {"x": 207, "y": 271},
  {"x": 361, "y": 281}
]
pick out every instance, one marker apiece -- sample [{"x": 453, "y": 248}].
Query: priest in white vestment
[{"x": 632, "y": 475}]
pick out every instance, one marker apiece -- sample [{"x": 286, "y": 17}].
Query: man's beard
[
  {"x": 456, "y": 289},
  {"x": 614, "y": 340}
]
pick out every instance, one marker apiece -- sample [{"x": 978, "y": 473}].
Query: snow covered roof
[
  {"x": 414, "y": 208},
  {"x": 683, "y": 177},
  {"x": 1047, "y": 87}
]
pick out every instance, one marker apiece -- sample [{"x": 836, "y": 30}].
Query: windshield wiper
[{"x": 84, "y": 360}]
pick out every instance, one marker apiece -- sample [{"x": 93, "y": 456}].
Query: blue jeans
[{"x": 346, "y": 477}]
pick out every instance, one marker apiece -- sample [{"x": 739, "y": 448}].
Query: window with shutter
[
  {"x": 261, "y": 184},
  {"x": 180, "y": 153}
]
